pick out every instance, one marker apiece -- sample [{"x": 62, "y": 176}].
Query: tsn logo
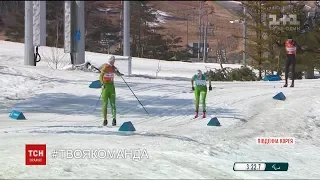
[{"x": 36, "y": 154}]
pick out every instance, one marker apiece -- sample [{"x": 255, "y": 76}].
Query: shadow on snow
[
  {"x": 115, "y": 133},
  {"x": 69, "y": 104},
  {"x": 156, "y": 105}
]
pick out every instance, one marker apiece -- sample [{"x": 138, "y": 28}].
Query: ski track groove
[
  {"x": 161, "y": 117},
  {"x": 232, "y": 103},
  {"x": 181, "y": 118},
  {"x": 151, "y": 100},
  {"x": 125, "y": 95},
  {"x": 258, "y": 131},
  {"x": 98, "y": 119},
  {"x": 208, "y": 107},
  {"x": 147, "y": 87},
  {"x": 124, "y": 112}
]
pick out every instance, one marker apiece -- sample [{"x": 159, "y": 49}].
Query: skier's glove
[
  {"x": 119, "y": 73},
  {"x": 192, "y": 88},
  {"x": 102, "y": 86},
  {"x": 210, "y": 88}
]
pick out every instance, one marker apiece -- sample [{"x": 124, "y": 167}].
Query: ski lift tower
[{"x": 35, "y": 30}]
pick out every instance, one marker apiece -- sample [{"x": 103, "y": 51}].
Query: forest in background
[{"x": 264, "y": 43}]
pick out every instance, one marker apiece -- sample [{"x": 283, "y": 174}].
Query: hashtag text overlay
[{"x": 134, "y": 154}]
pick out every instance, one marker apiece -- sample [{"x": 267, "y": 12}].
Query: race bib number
[
  {"x": 201, "y": 82},
  {"x": 108, "y": 75}
]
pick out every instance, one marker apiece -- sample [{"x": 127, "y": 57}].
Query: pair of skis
[
  {"x": 114, "y": 123},
  {"x": 108, "y": 126}
]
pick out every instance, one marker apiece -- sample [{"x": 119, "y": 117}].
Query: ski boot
[
  {"x": 114, "y": 122},
  {"x": 105, "y": 122},
  {"x": 286, "y": 84},
  {"x": 204, "y": 114},
  {"x": 292, "y": 84},
  {"x": 196, "y": 116}
]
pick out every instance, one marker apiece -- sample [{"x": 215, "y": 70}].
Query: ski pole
[
  {"x": 89, "y": 64},
  {"x": 134, "y": 95},
  {"x": 97, "y": 103}
]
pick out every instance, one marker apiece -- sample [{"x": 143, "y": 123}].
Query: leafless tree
[
  {"x": 57, "y": 58},
  {"x": 159, "y": 69},
  {"x": 224, "y": 45}
]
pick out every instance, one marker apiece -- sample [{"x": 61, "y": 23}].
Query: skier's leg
[
  {"x": 203, "y": 98},
  {"x": 293, "y": 70},
  {"x": 197, "y": 98},
  {"x": 104, "y": 97},
  {"x": 287, "y": 66},
  {"x": 112, "y": 96}
]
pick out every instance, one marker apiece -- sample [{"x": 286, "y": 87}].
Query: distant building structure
[{"x": 194, "y": 48}]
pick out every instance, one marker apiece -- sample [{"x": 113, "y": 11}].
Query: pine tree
[
  {"x": 100, "y": 31},
  {"x": 8, "y": 7},
  {"x": 55, "y": 23},
  {"x": 256, "y": 40},
  {"x": 147, "y": 39},
  {"x": 274, "y": 34},
  {"x": 280, "y": 34},
  {"x": 309, "y": 57},
  {"x": 12, "y": 17},
  {"x": 142, "y": 21},
  {"x": 266, "y": 41},
  {"x": 15, "y": 27},
  {"x": 101, "y": 34}
]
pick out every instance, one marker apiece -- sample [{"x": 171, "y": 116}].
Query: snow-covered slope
[
  {"x": 140, "y": 66},
  {"x": 61, "y": 112}
]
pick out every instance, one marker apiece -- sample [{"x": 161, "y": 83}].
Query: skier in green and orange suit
[
  {"x": 108, "y": 90},
  {"x": 200, "y": 90}
]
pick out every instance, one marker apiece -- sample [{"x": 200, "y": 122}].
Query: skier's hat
[
  {"x": 199, "y": 72},
  {"x": 111, "y": 58}
]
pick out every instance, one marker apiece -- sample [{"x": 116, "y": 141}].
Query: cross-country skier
[
  {"x": 291, "y": 50},
  {"x": 108, "y": 90},
  {"x": 200, "y": 90}
]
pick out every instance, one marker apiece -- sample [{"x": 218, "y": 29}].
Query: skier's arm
[
  {"x": 209, "y": 79},
  {"x": 117, "y": 72},
  {"x": 297, "y": 46},
  {"x": 192, "y": 81},
  {"x": 102, "y": 74}
]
